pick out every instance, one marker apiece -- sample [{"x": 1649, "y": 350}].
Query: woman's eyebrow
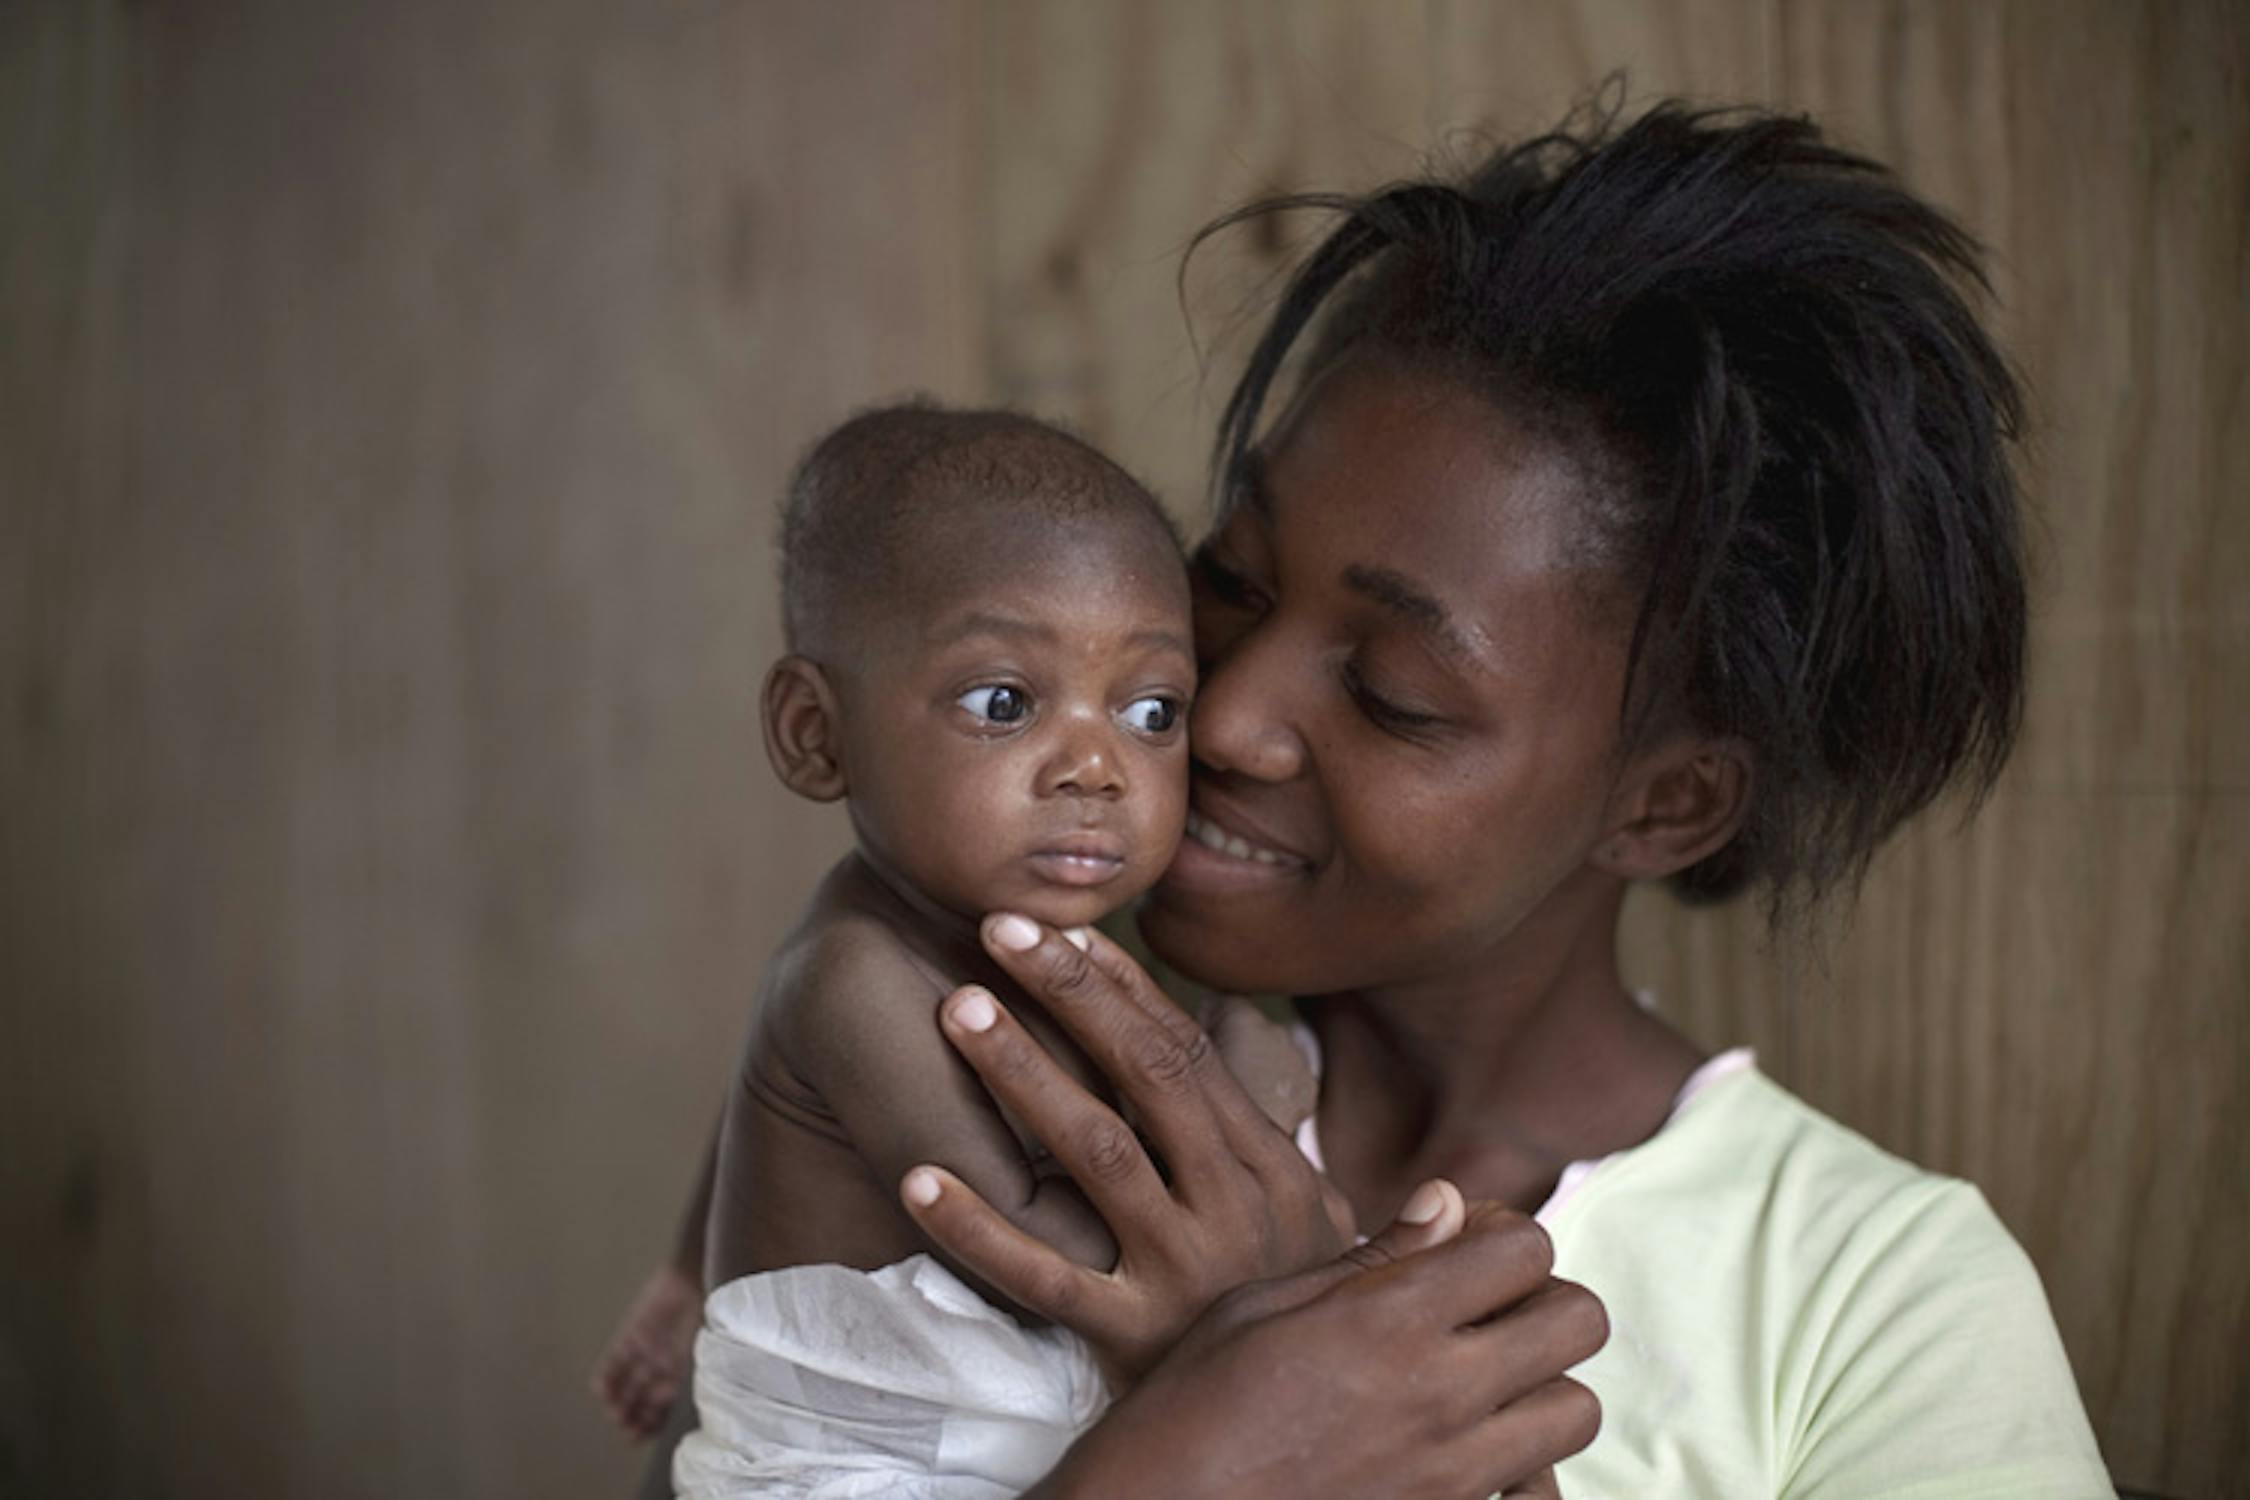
[{"x": 1418, "y": 608}]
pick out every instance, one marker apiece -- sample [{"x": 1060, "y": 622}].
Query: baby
[{"x": 990, "y": 660}]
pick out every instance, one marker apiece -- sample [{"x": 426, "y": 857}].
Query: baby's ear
[
  {"x": 804, "y": 733},
  {"x": 1678, "y": 802}
]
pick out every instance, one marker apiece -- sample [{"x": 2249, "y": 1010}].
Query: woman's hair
[{"x": 1791, "y": 430}]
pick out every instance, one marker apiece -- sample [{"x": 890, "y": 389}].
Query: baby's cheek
[{"x": 1167, "y": 799}]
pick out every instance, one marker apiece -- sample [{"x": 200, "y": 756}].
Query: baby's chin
[
  {"x": 1057, "y": 893},
  {"x": 1060, "y": 906},
  {"x": 1064, "y": 905},
  {"x": 1184, "y": 939}
]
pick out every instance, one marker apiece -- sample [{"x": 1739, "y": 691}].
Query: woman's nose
[
  {"x": 1083, "y": 763},
  {"x": 1242, "y": 720}
]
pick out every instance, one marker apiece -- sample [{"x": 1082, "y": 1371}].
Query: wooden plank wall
[{"x": 393, "y": 398}]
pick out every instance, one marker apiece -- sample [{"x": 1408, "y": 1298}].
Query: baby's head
[{"x": 990, "y": 656}]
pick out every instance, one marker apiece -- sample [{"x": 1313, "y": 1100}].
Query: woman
[
  {"x": 1641, "y": 511},
  {"x": 1638, "y": 509}
]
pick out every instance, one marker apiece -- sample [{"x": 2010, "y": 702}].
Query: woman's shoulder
[
  {"x": 1750, "y": 1141},
  {"x": 1823, "y": 1217},
  {"x": 1890, "y": 1329},
  {"x": 1842, "y": 1224}
]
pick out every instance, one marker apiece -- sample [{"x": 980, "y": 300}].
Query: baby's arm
[
  {"x": 860, "y": 1029},
  {"x": 644, "y": 1367}
]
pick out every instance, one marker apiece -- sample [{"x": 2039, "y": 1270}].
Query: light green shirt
[{"x": 1795, "y": 1313}]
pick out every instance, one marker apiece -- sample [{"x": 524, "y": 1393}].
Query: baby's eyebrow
[
  {"x": 978, "y": 622},
  {"x": 1007, "y": 627},
  {"x": 1160, "y": 640}
]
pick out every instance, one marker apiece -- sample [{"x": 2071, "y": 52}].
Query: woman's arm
[{"x": 1396, "y": 1368}]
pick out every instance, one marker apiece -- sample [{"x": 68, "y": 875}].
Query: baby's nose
[{"x": 1085, "y": 764}]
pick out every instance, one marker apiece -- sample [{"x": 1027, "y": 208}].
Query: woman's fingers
[
  {"x": 1254, "y": 1128},
  {"x": 1164, "y": 1065},
  {"x": 1553, "y": 1330},
  {"x": 1522, "y": 1442},
  {"x": 1338, "y": 1210},
  {"x": 1093, "y": 987},
  {"x": 1026, "y": 1270},
  {"x": 1131, "y": 979},
  {"x": 1434, "y": 1213},
  {"x": 1088, "y": 1138},
  {"x": 1499, "y": 1258}
]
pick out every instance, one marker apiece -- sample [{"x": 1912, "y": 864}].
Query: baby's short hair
[{"x": 867, "y": 488}]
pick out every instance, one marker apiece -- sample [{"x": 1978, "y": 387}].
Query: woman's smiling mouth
[{"x": 1210, "y": 835}]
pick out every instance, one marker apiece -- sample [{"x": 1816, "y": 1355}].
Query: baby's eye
[
  {"x": 1153, "y": 715},
  {"x": 997, "y": 704}
]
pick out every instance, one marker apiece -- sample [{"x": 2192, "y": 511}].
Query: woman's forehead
[{"x": 1422, "y": 485}]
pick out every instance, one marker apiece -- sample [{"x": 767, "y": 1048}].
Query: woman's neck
[{"x": 1500, "y": 1074}]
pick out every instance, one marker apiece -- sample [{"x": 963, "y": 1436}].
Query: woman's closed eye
[
  {"x": 1229, "y": 585},
  {"x": 996, "y": 703},
  {"x": 1384, "y": 712}
]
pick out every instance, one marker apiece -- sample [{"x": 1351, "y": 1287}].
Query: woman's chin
[{"x": 1219, "y": 944}]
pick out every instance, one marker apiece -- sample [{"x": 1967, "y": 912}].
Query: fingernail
[
  {"x": 1079, "y": 938},
  {"x": 1014, "y": 933},
  {"x": 920, "y": 1187},
  {"x": 1424, "y": 1205},
  {"x": 974, "y": 1011}
]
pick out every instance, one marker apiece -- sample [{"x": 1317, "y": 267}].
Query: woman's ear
[
  {"x": 803, "y": 729},
  {"x": 1678, "y": 802}
]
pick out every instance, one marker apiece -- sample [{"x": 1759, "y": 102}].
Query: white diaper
[{"x": 823, "y": 1383}]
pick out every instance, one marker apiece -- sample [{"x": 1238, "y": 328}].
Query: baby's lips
[
  {"x": 1085, "y": 843},
  {"x": 1067, "y": 865}
]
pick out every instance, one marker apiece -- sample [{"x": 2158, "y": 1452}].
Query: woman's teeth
[{"x": 1211, "y": 836}]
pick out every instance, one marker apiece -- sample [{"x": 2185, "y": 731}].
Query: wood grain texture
[
  {"x": 1110, "y": 135},
  {"x": 395, "y": 399},
  {"x": 1505, "y": 71},
  {"x": 390, "y": 852}
]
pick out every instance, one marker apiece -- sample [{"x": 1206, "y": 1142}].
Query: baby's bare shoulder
[{"x": 842, "y": 977}]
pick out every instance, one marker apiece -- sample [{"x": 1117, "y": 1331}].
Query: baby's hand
[
  {"x": 1265, "y": 1059},
  {"x": 640, "y": 1374}
]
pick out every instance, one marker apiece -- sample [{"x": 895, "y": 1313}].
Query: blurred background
[{"x": 393, "y": 402}]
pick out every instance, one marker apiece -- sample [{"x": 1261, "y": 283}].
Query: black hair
[
  {"x": 1758, "y": 351},
  {"x": 858, "y": 494}
]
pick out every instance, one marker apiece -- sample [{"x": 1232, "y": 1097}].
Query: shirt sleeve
[{"x": 1931, "y": 1369}]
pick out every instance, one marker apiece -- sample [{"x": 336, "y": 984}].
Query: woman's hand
[
  {"x": 1432, "y": 1373},
  {"x": 1235, "y": 1202},
  {"x": 1404, "y": 1366}
]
